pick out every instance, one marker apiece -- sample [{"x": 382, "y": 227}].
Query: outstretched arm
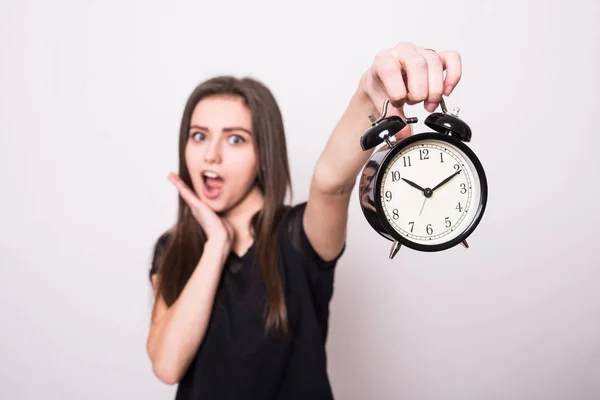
[{"x": 406, "y": 74}]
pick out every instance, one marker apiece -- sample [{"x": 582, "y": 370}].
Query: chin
[
  {"x": 218, "y": 205},
  {"x": 224, "y": 202}
]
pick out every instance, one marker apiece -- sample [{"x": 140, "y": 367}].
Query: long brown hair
[{"x": 186, "y": 238}]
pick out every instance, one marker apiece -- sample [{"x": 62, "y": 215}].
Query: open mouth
[{"x": 213, "y": 184}]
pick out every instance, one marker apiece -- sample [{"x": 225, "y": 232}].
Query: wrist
[
  {"x": 362, "y": 104},
  {"x": 218, "y": 248}
]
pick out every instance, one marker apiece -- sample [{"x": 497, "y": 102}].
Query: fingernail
[
  {"x": 430, "y": 106},
  {"x": 448, "y": 90}
]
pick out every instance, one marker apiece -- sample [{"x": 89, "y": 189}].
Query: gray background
[{"x": 91, "y": 95}]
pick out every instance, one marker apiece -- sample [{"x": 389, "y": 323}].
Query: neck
[{"x": 240, "y": 216}]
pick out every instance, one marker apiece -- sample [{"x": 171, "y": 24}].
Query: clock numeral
[
  {"x": 441, "y": 157},
  {"x": 395, "y": 214},
  {"x": 395, "y": 176},
  {"x": 407, "y": 164},
  {"x": 412, "y": 226},
  {"x": 459, "y": 207},
  {"x": 448, "y": 223},
  {"x": 456, "y": 167},
  {"x": 463, "y": 188},
  {"x": 429, "y": 229},
  {"x": 424, "y": 154},
  {"x": 388, "y": 196}
]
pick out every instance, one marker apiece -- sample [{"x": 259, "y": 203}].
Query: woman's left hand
[{"x": 407, "y": 74}]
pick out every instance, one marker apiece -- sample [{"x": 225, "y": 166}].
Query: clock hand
[
  {"x": 424, "y": 200},
  {"x": 413, "y": 184},
  {"x": 446, "y": 180}
]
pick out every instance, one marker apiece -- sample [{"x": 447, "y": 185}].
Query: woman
[{"x": 242, "y": 282}]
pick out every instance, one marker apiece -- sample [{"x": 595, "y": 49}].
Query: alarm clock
[{"x": 428, "y": 191}]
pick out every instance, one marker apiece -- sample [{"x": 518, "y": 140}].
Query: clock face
[{"x": 430, "y": 192}]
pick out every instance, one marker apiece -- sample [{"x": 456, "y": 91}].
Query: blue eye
[
  {"x": 198, "y": 136},
  {"x": 236, "y": 139}
]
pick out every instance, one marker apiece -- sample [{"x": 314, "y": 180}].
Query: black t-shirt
[{"x": 235, "y": 359}]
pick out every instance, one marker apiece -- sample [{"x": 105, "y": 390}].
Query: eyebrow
[{"x": 227, "y": 129}]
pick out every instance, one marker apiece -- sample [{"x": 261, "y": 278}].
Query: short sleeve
[
  {"x": 159, "y": 251},
  {"x": 299, "y": 240}
]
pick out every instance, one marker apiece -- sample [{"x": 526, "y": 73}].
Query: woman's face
[
  {"x": 367, "y": 176},
  {"x": 220, "y": 154}
]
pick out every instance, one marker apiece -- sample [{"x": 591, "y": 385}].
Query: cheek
[
  {"x": 193, "y": 156},
  {"x": 192, "y": 162},
  {"x": 189, "y": 156},
  {"x": 244, "y": 166}
]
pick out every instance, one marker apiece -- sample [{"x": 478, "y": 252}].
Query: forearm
[
  {"x": 343, "y": 158},
  {"x": 175, "y": 338},
  {"x": 334, "y": 177}
]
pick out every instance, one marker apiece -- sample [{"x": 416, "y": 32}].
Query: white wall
[{"x": 91, "y": 95}]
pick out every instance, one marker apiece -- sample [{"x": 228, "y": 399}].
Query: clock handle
[
  {"x": 409, "y": 120},
  {"x": 443, "y": 106},
  {"x": 385, "y": 106},
  {"x": 384, "y": 128},
  {"x": 383, "y": 112}
]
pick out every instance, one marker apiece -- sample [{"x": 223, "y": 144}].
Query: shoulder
[
  {"x": 162, "y": 240},
  {"x": 292, "y": 231},
  {"x": 292, "y": 217},
  {"x": 160, "y": 246},
  {"x": 292, "y": 226}
]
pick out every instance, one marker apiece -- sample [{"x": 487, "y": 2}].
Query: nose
[{"x": 213, "y": 153}]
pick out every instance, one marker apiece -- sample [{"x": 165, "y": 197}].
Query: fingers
[
  {"x": 210, "y": 222},
  {"x": 408, "y": 74},
  {"x": 453, "y": 65},
  {"x": 376, "y": 92},
  {"x": 387, "y": 75},
  {"x": 402, "y": 72},
  {"x": 415, "y": 67},
  {"x": 435, "y": 78},
  {"x": 186, "y": 194}
]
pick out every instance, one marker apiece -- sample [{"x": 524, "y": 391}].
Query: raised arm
[
  {"x": 406, "y": 74},
  {"x": 176, "y": 332}
]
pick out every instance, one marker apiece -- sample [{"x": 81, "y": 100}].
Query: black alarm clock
[{"x": 427, "y": 191}]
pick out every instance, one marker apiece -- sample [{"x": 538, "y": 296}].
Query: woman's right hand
[{"x": 217, "y": 229}]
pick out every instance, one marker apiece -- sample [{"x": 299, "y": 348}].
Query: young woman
[{"x": 243, "y": 282}]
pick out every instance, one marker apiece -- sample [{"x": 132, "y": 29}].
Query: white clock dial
[{"x": 415, "y": 207}]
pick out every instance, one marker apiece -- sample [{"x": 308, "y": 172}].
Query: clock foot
[
  {"x": 394, "y": 249},
  {"x": 464, "y": 243}
]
